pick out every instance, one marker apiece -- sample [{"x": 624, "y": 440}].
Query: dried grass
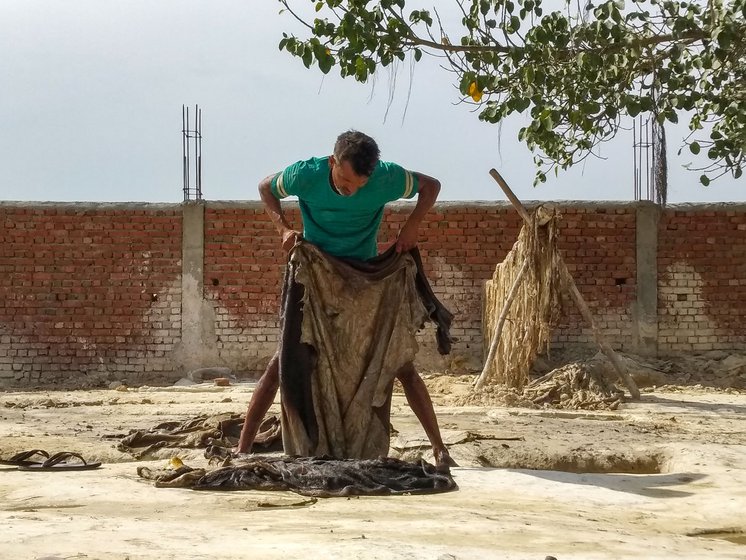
[
  {"x": 530, "y": 275},
  {"x": 535, "y": 308}
]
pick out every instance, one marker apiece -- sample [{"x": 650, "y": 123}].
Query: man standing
[{"x": 342, "y": 199}]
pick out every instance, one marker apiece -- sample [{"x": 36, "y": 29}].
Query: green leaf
[
  {"x": 576, "y": 70},
  {"x": 361, "y": 69},
  {"x": 522, "y": 104},
  {"x": 529, "y": 75},
  {"x": 705, "y": 180},
  {"x": 307, "y": 56},
  {"x": 611, "y": 111},
  {"x": 590, "y": 107}
]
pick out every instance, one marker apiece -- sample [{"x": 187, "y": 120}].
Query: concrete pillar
[
  {"x": 198, "y": 339},
  {"x": 646, "y": 312}
]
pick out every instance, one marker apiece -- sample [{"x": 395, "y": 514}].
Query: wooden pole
[{"x": 569, "y": 282}]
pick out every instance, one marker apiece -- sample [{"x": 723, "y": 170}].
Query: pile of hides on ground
[
  {"x": 530, "y": 274},
  {"x": 311, "y": 476},
  {"x": 347, "y": 329},
  {"x": 579, "y": 385},
  {"x": 536, "y": 305},
  {"x": 576, "y": 386},
  {"x": 221, "y": 430}
]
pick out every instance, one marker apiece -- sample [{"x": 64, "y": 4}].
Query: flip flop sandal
[
  {"x": 24, "y": 458},
  {"x": 59, "y": 462}
]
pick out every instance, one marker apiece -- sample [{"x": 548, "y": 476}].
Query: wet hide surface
[
  {"x": 312, "y": 476},
  {"x": 347, "y": 329}
]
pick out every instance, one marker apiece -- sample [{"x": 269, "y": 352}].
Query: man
[{"x": 341, "y": 199}]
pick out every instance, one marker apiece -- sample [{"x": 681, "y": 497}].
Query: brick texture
[
  {"x": 243, "y": 270},
  {"x": 91, "y": 290},
  {"x": 460, "y": 246},
  {"x": 86, "y": 290},
  {"x": 599, "y": 247},
  {"x": 702, "y": 280}
]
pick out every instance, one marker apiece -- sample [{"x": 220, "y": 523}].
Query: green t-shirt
[{"x": 344, "y": 226}]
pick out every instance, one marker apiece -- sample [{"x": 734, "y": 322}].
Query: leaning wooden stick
[
  {"x": 499, "y": 327},
  {"x": 568, "y": 280}
]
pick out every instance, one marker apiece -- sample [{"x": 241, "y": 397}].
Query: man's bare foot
[{"x": 443, "y": 459}]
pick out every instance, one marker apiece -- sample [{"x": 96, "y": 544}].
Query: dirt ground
[{"x": 664, "y": 477}]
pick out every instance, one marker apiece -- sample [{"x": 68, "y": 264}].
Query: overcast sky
[{"x": 91, "y": 97}]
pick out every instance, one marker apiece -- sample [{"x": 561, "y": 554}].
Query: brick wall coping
[
  {"x": 444, "y": 205},
  {"x": 92, "y": 205},
  {"x": 459, "y": 204},
  {"x": 711, "y": 206}
]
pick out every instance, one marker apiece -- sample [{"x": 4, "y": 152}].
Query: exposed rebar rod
[{"x": 192, "y": 190}]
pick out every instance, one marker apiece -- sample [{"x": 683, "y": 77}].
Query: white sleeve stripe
[
  {"x": 280, "y": 187},
  {"x": 408, "y": 184}
]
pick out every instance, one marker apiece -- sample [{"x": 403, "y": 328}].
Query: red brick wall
[
  {"x": 88, "y": 289},
  {"x": 702, "y": 279},
  {"x": 93, "y": 291},
  {"x": 599, "y": 246},
  {"x": 244, "y": 265},
  {"x": 243, "y": 269},
  {"x": 460, "y": 246}
]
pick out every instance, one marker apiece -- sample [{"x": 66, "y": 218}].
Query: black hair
[{"x": 359, "y": 149}]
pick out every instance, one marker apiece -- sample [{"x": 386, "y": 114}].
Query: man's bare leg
[
  {"x": 422, "y": 406},
  {"x": 261, "y": 400}
]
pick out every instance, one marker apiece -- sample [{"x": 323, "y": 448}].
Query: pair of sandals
[{"x": 40, "y": 460}]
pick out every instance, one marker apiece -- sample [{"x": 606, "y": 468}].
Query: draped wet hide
[
  {"x": 215, "y": 431},
  {"x": 347, "y": 328},
  {"x": 311, "y": 476}
]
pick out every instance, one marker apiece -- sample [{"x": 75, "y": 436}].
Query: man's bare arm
[
  {"x": 429, "y": 188},
  {"x": 273, "y": 208}
]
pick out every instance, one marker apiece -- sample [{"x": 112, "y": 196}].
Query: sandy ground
[{"x": 661, "y": 478}]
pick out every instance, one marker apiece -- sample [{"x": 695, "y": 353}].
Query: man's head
[{"x": 355, "y": 157}]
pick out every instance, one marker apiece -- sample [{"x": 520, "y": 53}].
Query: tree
[{"x": 578, "y": 71}]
